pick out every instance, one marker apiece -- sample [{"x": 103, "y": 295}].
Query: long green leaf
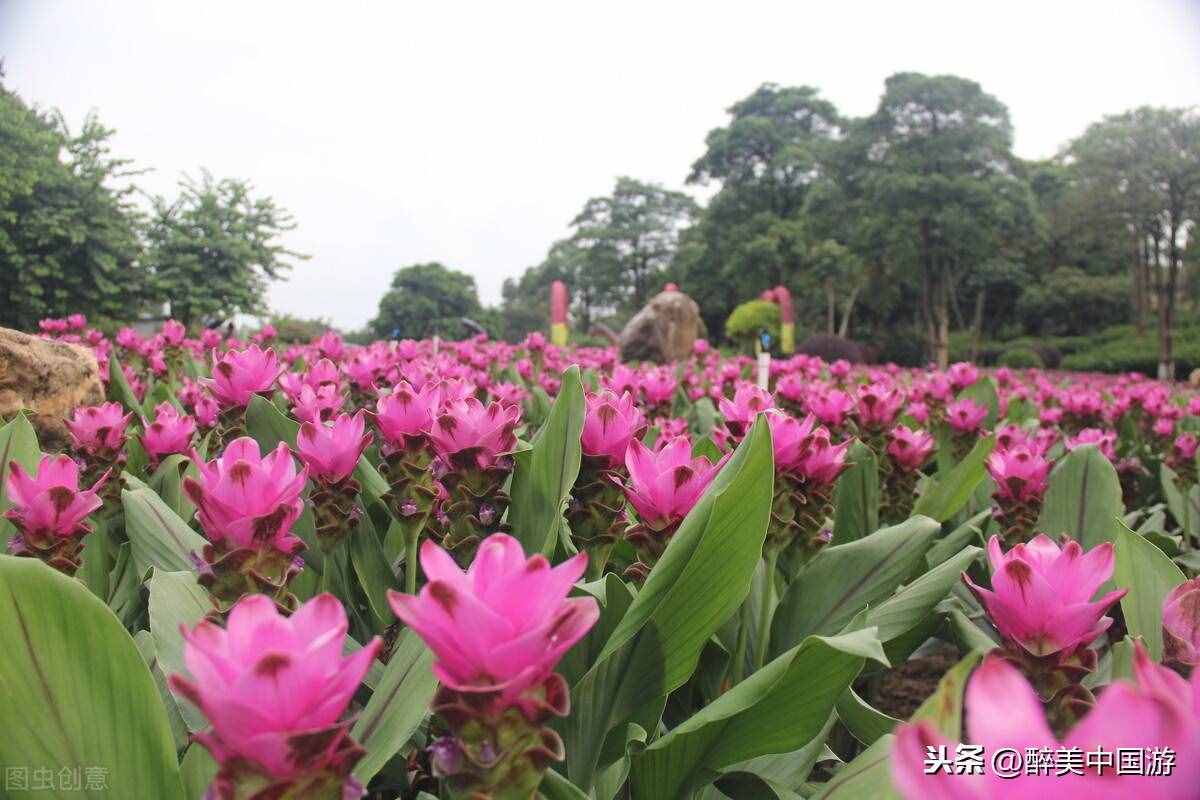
[
  {"x": 1083, "y": 499},
  {"x": 76, "y": 692},
  {"x": 700, "y": 580},
  {"x": 18, "y": 442},
  {"x": 159, "y": 538},
  {"x": 777, "y": 709},
  {"x": 945, "y": 496},
  {"x": 176, "y": 599},
  {"x": 397, "y": 706},
  {"x": 912, "y": 604},
  {"x": 856, "y": 496},
  {"x": 1148, "y": 576},
  {"x": 842, "y": 580},
  {"x": 544, "y": 474}
]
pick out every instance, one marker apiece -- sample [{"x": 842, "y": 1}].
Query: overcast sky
[{"x": 471, "y": 133}]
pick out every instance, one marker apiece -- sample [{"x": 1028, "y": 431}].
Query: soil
[{"x": 898, "y": 692}]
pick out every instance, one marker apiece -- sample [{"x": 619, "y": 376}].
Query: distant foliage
[
  {"x": 68, "y": 231},
  {"x": 751, "y": 318},
  {"x": 426, "y": 300}
]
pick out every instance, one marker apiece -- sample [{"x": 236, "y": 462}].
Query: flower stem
[{"x": 411, "y": 540}]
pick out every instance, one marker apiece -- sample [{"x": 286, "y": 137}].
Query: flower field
[{"x": 431, "y": 569}]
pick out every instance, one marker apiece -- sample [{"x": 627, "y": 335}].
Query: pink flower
[
  {"x": 831, "y": 407},
  {"x": 748, "y": 401},
  {"x": 504, "y": 624},
  {"x": 658, "y": 386},
  {"x": 1041, "y": 595},
  {"x": 173, "y": 333},
  {"x": 77, "y": 322},
  {"x": 965, "y": 415},
  {"x": 1020, "y": 473},
  {"x": 246, "y": 500},
  {"x": 610, "y": 424},
  {"x": 1160, "y": 710},
  {"x": 1105, "y": 441},
  {"x": 170, "y": 433},
  {"x": 919, "y": 411},
  {"x": 469, "y": 430},
  {"x": 804, "y": 450},
  {"x": 331, "y": 451},
  {"x": 664, "y": 484},
  {"x": 269, "y": 683},
  {"x": 909, "y": 449},
  {"x": 962, "y": 375},
  {"x": 240, "y": 374},
  {"x": 825, "y": 461},
  {"x": 700, "y": 347},
  {"x": 318, "y": 405},
  {"x": 878, "y": 405},
  {"x": 406, "y": 413},
  {"x": 1185, "y": 446},
  {"x": 50, "y": 503},
  {"x": 1181, "y": 624},
  {"x": 206, "y": 411},
  {"x": 99, "y": 429}
]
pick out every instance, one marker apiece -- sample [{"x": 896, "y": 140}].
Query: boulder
[
  {"x": 664, "y": 330},
  {"x": 48, "y": 377}
]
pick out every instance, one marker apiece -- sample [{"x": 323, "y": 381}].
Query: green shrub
[
  {"x": 750, "y": 318},
  {"x": 1020, "y": 358},
  {"x": 1070, "y": 301}
]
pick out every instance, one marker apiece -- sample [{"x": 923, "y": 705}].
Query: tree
[
  {"x": 944, "y": 171},
  {"x": 630, "y": 238},
  {"x": 68, "y": 231},
  {"x": 752, "y": 235},
  {"x": 1146, "y": 164},
  {"x": 215, "y": 248},
  {"x": 424, "y": 300}
]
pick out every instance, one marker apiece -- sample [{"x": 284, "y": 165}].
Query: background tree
[
  {"x": 752, "y": 236},
  {"x": 68, "y": 230},
  {"x": 215, "y": 249},
  {"x": 630, "y": 237},
  {"x": 427, "y": 299},
  {"x": 942, "y": 148},
  {"x": 1144, "y": 166}
]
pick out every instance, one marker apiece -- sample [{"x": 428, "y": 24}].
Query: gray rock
[
  {"x": 664, "y": 330},
  {"x": 50, "y": 378}
]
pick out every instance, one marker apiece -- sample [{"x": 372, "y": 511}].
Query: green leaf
[
  {"x": 840, "y": 581},
  {"x": 867, "y": 776},
  {"x": 544, "y": 474},
  {"x": 914, "y": 603},
  {"x": 397, "y": 706},
  {"x": 371, "y": 566},
  {"x": 777, "y": 709},
  {"x": 1185, "y": 511},
  {"x": 556, "y": 787},
  {"x": 856, "y": 496},
  {"x": 1083, "y": 499},
  {"x": 865, "y": 722},
  {"x": 945, "y": 497},
  {"x": 197, "y": 770},
  {"x": 77, "y": 693},
  {"x": 700, "y": 580},
  {"x": 268, "y": 425},
  {"x": 158, "y": 537},
  {"x": 176, "y": 599},
  {"x": 1148, "y": 575},
  {"x": 167, "y": 480},
  {"x": 118, "y": 387},
  {"x": 971, "y": 531},
  {"x": 18, "y": 442}
]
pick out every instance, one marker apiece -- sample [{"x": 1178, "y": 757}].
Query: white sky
[{"x": 471, "y": 133}]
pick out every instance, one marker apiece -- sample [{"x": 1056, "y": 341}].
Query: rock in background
[
  {"x": 48, "y": 377},
  {"x": 664, "y": 330}
]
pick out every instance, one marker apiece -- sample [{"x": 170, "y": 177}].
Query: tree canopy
[{"x": 424, "y": 300}]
